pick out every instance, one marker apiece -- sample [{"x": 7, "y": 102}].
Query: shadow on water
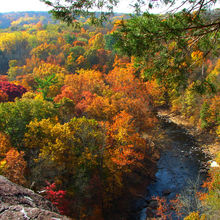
[{"x": 181, "y": 162}]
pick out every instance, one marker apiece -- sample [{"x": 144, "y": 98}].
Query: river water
[{"x": 181, "y": 161}]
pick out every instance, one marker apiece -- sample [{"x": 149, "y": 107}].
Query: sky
[
  {"x": 22, "y": 5},
  {"x": 36, "y": 5}
]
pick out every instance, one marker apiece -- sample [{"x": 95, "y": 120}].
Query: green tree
[
  {"x": 205, "y": 115},
  {"x": 110, "y": 41},
  {"x": 69, "y": 38},
  {"x": 15, "y": 116},
  {"x": 44, "y": 85},
  {"x": 164, "y": 45}
]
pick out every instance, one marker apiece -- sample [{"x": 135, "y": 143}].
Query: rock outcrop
[{"x": 17, "y": 202}]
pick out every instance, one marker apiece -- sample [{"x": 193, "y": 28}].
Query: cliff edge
[{"x": 17, "y": 202}]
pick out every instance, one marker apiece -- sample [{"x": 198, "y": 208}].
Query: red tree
[
  {"x": 12, "y": 90},
  {"x": 57, "y": 197}
]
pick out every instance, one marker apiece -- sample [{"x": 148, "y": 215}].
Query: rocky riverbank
[
  {"x": 183, "y": 159},
  {"x": 210, "y": 145}
]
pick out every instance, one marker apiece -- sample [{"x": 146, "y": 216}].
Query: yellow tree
[
  {"x": 14, "y": 166},
  {"x": 70, "y": 145},
  {"x": 5, "y": 145},
  {"x": 97, "y": 41},
  {"x": 45, "y": 70}
]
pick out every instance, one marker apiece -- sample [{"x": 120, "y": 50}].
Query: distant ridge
[{"x": 6, "y": 18}]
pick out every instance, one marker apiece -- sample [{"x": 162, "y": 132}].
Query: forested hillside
[
  {"x": 16, "y": 20},
  {"x": 71, "y": 114},
  {"x": 75, "y": 102}
]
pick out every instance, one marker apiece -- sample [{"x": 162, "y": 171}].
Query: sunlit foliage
[{"x": 73, "y": 109}]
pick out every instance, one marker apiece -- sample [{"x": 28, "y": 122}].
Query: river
[{"x": 181, "y": 161}]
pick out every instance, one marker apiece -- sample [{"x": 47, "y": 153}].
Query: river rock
[
  {"x": 21, "y": 203},
  {"x": 153, "y": 204},
  {"x": 149, "y": 212},
  {"x": 202, "y": 171},
  {"x": 186, "y": 155},
  {"x": 166, "y": 192}
]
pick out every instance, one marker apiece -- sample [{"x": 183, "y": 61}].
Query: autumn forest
[{"x": 79, "y": 107}]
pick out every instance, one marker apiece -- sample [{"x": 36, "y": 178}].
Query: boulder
[
  {"x": 149, "y": 212},
  {"x": 153, "y": 204},
  {"x": 21, "y": 203},
  {"x": 166, "y": 192}
]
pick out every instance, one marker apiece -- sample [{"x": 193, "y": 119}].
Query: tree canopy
[
  {"x": 78, "y": 118},
  {"x": 168, "y": 47},
  {"x": 181, "y": 38}
]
